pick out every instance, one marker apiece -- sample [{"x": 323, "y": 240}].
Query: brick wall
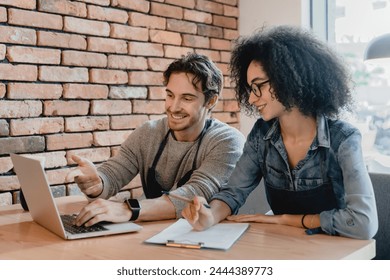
[{"x": 76, "y": 77}]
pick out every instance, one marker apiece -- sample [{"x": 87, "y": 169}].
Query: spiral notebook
[{"x": 180, "y": 234}]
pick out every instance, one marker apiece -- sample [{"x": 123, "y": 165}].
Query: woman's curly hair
[{"x": 303, "y": 71}]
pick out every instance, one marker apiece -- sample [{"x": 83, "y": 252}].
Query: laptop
[{"x": 43, "y": 209}]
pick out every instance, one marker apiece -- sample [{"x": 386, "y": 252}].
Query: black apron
[
  {"x": 151, "y": 187},
  {"x": 313, "y": 201}
]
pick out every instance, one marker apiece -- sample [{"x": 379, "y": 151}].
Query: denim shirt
[{"x": 355, "y": 215}]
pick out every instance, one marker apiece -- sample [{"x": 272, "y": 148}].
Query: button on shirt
[{"x": 340, "y": 142}]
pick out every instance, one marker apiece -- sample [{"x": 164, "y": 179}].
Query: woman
[{"x": 311, "y": 162}]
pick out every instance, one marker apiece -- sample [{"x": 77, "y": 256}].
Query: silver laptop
[{"x": 42, "y": 207}]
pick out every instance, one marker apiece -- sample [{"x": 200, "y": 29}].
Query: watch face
[{"x": 134, "y": 203}]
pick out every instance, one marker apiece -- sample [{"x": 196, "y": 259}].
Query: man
[{"x": 186, "y": 152}]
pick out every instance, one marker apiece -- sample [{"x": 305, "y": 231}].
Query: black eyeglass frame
[{"x": 258, "y": 88}]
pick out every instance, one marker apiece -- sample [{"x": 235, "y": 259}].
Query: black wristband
[
  {"x": 134, "y": 207},
  {"x": 303, "y": 224}
]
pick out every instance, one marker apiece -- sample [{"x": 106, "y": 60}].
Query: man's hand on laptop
[
  {"x": 86, "y": 177},
  {"x": 103, "y": 210}
]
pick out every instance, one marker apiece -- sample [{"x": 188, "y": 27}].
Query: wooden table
[{"x": 21, "y": 238}]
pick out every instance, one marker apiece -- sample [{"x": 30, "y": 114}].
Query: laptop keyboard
[{"x": 67, "y": 221}]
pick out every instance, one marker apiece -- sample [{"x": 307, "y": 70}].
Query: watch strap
[{"x": 134, "y": 207}]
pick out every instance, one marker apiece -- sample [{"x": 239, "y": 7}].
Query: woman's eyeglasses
[{"x": 256, "y": 88}]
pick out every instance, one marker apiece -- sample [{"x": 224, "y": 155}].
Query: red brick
[
  {"x": 27, "y": 144},
  {"x": 34, "y": 19},
  {"x": 61, "y": 40},
  {"x": 128, "y": 92},
  {"x": 106, "y": 45},
  {"x": 176, "y": 52},
  {"x": 107, "y": 14},
  {"x": 219, "y": 106},
  {"x": 5, "y": 164},
  {"x": 213, "y": 55},
  {"x": 228, "y": 82},
  {"x": 3, "y": 14},
  {"x": 33, "y": 55},
  {"x": 4, "y": 128},
  {"x": 168, "y": 11},
  {"x": 209, "y": 6},
  {"x": 3, "y": 50},
  {"x": 53, "y": 159},
  {"x": 135, "y": 5},
  {"x": 86, "y": 124},
  {"x": 127, "y": 62},
  {"x": 9, "y": 183},
  {"x": 57, "y": 176},
  {"x": 94, "y": 155},
  {"x": 230, "y": 106},
  {"x": 5, "y": 199},
  {"x": 219, "y": 44},
  {"x": 228, "y": 93},
  {"x": 225, "y": 56},
  {"x": 230, "y": 11},
  {"x": 110, "y": 138},
  {"x": 145, "y": 49},
  {"x": 129, "y": 32},
  {"x": 128, "y": 122},
  {"x": 17, "y": 35},
  {"x": 181, "y": 26},
  {"x": 25, "y": 4},
  {"x": 227, "y": 22},
  {"x": 158, "y": 64},
  {"x": 157, "y": 93},
  {"x": 85, "y": 91},
  {"x": 148, "y": 107},
  {"x": 33, "y": 91},
  {"x": 68, "y": 141},
  {"x": 63, "y": 7},
  {"x": 63, "y": 74},
  {"x": 165, "y": 37},
  {"x": 20, "y": 109},
  {"x": 85, "y": 26},
  {"x": 156, "y": 117},
  {"x": 36, "y": 126},
  {"x": 230, "y": 34},
  {"x": 2, "y": 90},
  {"x": 228, "y": 2},
  {"x": 143, "y": 20},
  {"x": 196, "y": 41},
  {"x": 111, "y": 107},
  {"x": 210, "y": 31},
  {"x": 87, "y": 59},
  {"x": 104, "y": 76},
  {"x": 183, "y": 3},
  {"x": 224, "y": 67},
  {"x": 66, "y": 108},
  {"x": 145, "y": 78},
  {"x": 97, "y": 2},
  {"x": 18, "y": 72},
  {"x": 197, "y": 16},
  {"x": 226, "y": 117}
]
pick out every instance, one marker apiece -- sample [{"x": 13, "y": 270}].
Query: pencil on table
[{"x": 182, "y": 198}]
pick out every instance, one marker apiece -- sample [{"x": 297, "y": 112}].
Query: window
[{"x": 349, "y": 25}]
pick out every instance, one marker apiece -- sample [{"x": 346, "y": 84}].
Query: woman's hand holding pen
[{"x": 199, "y": 216}]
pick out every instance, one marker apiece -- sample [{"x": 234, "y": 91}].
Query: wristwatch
[{"x": 134, "y": 206}]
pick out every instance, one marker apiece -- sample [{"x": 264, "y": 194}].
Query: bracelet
[{"x": 303, "y": 224}]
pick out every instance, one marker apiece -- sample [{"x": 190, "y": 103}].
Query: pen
[{"x": 182, "y": 198}]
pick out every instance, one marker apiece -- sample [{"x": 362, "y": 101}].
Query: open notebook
[
  {"x": 180, "y": 234},
  {"x": 42, "y": 207}
]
